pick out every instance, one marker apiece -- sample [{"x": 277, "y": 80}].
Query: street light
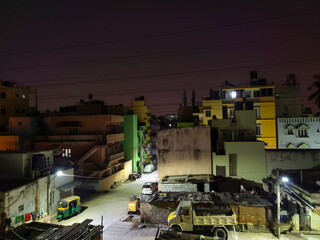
[
  {"x": 283, "y": 179},
  {"x": 59, "y": 173}
]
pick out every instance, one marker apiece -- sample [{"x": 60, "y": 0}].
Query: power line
[
  {"x": 129, "y": 57},
  {"x": 157, "y": 35},
  {"x": 195, "y": 72}
]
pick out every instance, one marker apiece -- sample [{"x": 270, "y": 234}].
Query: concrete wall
[
  {"x": 179, "y": 187},
  {"x": 251, "y": 160},
  {"x": 313, "y": 132},
  {"x": 292, "y": 159},
  {"x": 184, "y": 151},
  {"x": 24, "y": 126},
  {"x": 118, "y": 177}
]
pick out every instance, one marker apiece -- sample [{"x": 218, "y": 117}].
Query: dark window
[
  {"x": 269, "y": 92},
  {"x": 208, "y": 113},
  {"x": 263, "y": 92},
  {"x": 3, "y": 94},
  {"x": 233, "y": 164},
  {"x": 256, "y": 93},
  {"x": 3, "y": 111},
  {"x": 2, "y": 128},
  {"x": 221, "y": 171}
]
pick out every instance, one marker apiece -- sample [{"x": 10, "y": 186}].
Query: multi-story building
[
  {"x": 92, "y": 143},
  {"x": 139, "y": 108},
  {"x": 298, "y": 133},
  {"x": 131, "y": 142},
  {"x": 15, "y": 101},
  {"x": 269, "y": 101}
]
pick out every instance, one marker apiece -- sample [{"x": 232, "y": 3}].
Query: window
[
  {"x": 3, "y": 112},
  {"x": 3, "y": 95},
  {"x": 21, "y": 208},
  {"x": 66, "y": 152},
  {"x": 208, "y": 113},
  {"x": 241, "y": 135},
  {"x": 2, "y": 128},
  {"x": 256, "y": 93},
  {"x": 258, "y": 113},
  {"x": 247, "y": 93},
  {"x": 302, "y": 133},
  {"x": 289, "y": 131},
  {"x": 232, "y": 164},
  {"x": 221, "y": 171},
  {"x": 231, "y": 113},
  {"x": 258, "y": 130},
  {"x": 318, "y": 130}
]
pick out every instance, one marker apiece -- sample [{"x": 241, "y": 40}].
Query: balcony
[{"x": 116, "y": 156}]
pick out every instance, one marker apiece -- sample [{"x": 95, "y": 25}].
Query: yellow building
[
  {"x": 261, "y": 98},
  {"x": 15, "y": 101}
]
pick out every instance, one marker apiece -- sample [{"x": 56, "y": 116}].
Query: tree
[{"x": 316, "y": 94}]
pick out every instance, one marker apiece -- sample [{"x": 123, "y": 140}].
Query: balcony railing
[{"x": 115, "y": 156}]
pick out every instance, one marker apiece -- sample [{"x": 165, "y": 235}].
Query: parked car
[
  {"x": 149, "y": 168},
  {"x": 149, "y": 188}
]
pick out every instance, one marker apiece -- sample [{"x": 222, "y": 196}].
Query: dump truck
[{"x": 197, "y": 216}]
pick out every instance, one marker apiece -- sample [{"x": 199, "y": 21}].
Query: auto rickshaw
[
  {"x": 134, "y": 205},
  {"x": 68, "y": 207}
]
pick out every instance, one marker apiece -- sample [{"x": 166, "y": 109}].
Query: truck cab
[{"x": 181, "y": 218}]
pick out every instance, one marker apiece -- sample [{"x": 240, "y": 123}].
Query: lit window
[
  {"x": 258, "y": 130},
  {"x": 233, "y": 94},
  {"x": 66, "y": 152},
  {"x": 231, "y": 112}
]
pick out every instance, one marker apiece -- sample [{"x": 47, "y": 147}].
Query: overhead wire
[{"x": 159, "y": 35}]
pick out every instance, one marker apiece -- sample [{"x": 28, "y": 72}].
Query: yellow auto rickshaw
[{"x": 68, "y": 207}]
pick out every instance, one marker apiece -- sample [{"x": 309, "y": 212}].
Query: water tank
[
  {"x": 253, "y": 75},
  {"x": 39, "y": 161}
]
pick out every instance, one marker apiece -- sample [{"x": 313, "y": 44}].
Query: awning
[{"x": 69, "y": 186}]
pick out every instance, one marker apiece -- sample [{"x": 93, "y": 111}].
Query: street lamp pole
[{"x": 278, "y": 204}]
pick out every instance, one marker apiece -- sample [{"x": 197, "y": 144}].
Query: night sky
[{"x": 118, "y": 50}]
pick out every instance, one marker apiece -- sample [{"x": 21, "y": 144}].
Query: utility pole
[{"x": 278, "y": 204}]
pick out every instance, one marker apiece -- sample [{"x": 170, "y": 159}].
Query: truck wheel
[
  {"x": 176, "y": 229},
  {"x": 220, "y": 233}
]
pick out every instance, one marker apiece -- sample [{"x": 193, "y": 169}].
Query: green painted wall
[{"x": 130, "y": 142}]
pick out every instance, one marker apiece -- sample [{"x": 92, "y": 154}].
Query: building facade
[
  {"x": 184, "y": 151},
  {"x": 15, "y": 100},
  {"x": 92, "y": 142},
  {"x": 298, "y": 133}
]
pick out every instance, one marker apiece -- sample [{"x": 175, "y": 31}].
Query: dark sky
[{"x": 118, "y": 50}]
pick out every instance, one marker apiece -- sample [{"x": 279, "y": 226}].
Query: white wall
[{"x": 251, "y": 160}]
